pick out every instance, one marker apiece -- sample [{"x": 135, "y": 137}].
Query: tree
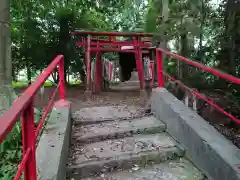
[
  {"x": 6, "y": 91},
  {"x": 230, "y": 41}
]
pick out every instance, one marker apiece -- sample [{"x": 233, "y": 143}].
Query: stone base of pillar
[
  {"x": 142, "y": 93},
  {"x": 88, "y": 94},
  {"x": 105, "y": 86}
]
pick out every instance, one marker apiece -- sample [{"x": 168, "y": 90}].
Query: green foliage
[
  {"x": 10, "y": 153},
  {"x": 41, "y": 30},
  {"x": 204, "y": 32}
]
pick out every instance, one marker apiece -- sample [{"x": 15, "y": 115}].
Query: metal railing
[
  {"x": 213, "y": 71},
  {"x": 23, "y": 107}
]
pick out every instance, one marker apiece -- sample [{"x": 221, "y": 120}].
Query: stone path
[
  {"x": 105, "y": 113},
  {"x": 118, "y": 143},
  {"x": 179, "y": 169},
  {"x": 132, "y": 84}
]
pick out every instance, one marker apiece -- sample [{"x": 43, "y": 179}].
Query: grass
[
  {"x": 19, "y": 84},
  {"x": 75, "y": 82},
  {"x": 24, "y": 84}
]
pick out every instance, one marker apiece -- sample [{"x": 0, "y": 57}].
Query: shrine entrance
[{"x": 100, "y": 71}]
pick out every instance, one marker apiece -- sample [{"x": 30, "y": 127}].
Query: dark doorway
[{"x": 128, "y": 64}]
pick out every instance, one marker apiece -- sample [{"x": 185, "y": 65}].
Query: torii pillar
[
  {"x": 88, "y": 65},
  {"x": 138, "y": 58},
  {"x": 98, "y": 72}
]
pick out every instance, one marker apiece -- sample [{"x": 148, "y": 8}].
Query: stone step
[
  {"x": 124, "y": 88},
  {"x": 115, "y": 154},
  {"x": 129, "y": 83},
  {"x": 100, "y": 114},
  {"x": 180, "y": 169},
  {"x": 116, "y": 129}
]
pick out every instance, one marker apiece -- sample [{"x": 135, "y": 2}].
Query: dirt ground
[{"x": 79, "y": 100}]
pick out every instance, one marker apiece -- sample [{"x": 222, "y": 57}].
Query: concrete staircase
[{"x": 118, "y": 143}]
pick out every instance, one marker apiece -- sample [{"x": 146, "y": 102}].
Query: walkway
[{"x": 118, "y": 142}]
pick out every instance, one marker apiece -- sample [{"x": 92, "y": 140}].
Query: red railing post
[
  {"x": 159, "y": 68},
  {"x": 28, "y": 142},
  {"x": 62, "y": 79}
]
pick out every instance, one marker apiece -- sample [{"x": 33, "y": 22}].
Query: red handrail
[
  {"x": 204, "y": 98},
  {"x": 201, "y": 66},
  {"x": 23, "y": 107},
  {"x": 161, "y": 73}
]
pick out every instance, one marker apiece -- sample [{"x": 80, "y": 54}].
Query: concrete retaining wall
[
  {"x": 52, "y": 150},
  {"x": 210, "y": 151}
]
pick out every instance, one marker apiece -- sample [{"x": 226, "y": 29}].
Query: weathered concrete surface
[
  {"x": 113, "y": 148},
  {"x": 208, "y": 149},
  {"x": 132, "y": 84},
  {"x": 117, "y": 129},
  {"x": 133, "y": 81},
  {"x": 134, "y": 76},
  {"x": 124, "y": 87},
  {"x": 104, "y": 113},
  {"x": 123, "y": 153},
  {"x": 122, "y": 162},
  {"x": 170, "y": 170},
  {"x": 52, "y": 150}
]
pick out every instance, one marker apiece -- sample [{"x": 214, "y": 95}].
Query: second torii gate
[{"x": 102, "y": 42}]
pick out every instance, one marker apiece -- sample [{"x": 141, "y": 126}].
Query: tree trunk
[
  {"x": 200, "y": 47},
  {"x": 55, "y": 77},
  {"x": 29, "y": 76},
  {"x": 7, "y": 94},
  {"x": 228, "y": 46},
  {"x": 184, "y": 53},
  {"x": 163, "y": 43}
]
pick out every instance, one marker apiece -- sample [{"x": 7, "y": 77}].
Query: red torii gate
[{"x": 96, "y": 42}]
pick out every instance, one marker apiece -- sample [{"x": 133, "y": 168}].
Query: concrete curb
[
  {"x": 210, "y": 151},
  {"x": 52, "y": 150}
]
